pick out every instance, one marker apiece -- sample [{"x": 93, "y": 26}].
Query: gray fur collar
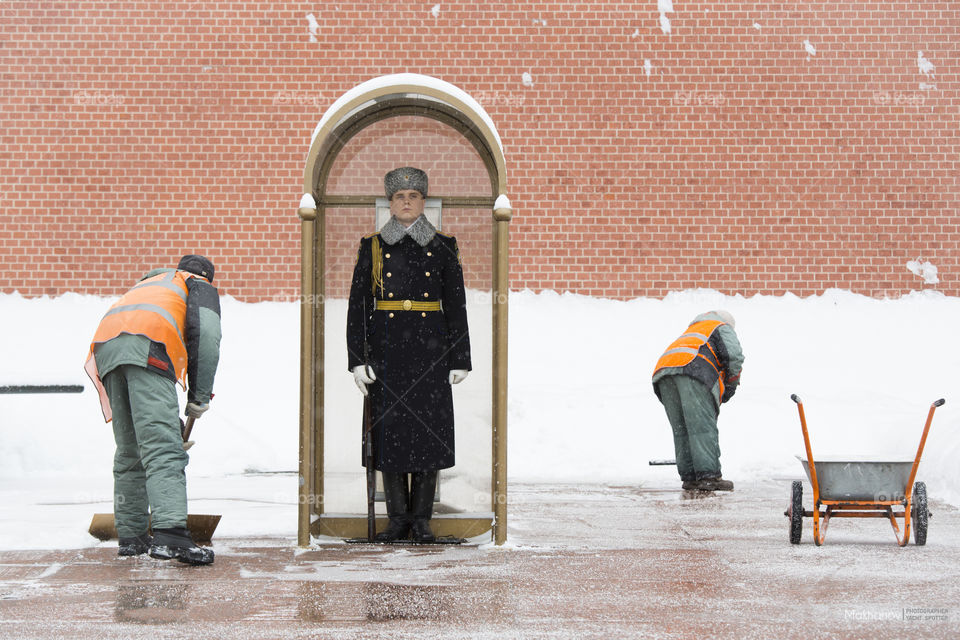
[{"x": 421, "y": 231}]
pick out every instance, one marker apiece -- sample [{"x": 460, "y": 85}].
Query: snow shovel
[
  {"x": 201, "y": 526},
  {"x": 185, "y": 430}
]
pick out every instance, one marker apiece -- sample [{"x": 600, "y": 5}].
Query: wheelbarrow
[{"x": 861, "y": 489}]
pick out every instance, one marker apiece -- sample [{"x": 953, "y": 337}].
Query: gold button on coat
[
  {"x": 429, "y": 253},
  {"x": 424, "y": 314},
  {"x": 390, "y": 295},
  {"x": 407, "y": 305},
  {"x": 428, "y": 274},
  {"x": 426, "y": 295},
  {"x": 389, "y": 275},
  {"x": 391, "y": 314},
  {"x": 386, "y": 255}
]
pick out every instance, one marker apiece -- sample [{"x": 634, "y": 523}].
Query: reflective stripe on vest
[
  {"x": 693, "y": 344},
  {"x": 155, "y": 308}
]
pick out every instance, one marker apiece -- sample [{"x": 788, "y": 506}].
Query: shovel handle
[{"x": 188, "y": 428}]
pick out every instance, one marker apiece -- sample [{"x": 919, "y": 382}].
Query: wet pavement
[{"x": 582, "y": 562}]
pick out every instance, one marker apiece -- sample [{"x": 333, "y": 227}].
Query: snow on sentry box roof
[{"x": 407, "y": 79}]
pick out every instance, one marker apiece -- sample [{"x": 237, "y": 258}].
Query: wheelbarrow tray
[{"x": 875, "y": 480}]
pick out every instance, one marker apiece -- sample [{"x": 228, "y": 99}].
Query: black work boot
[
  {"x": 422, "y": 489},
  {"x": 714, "y": 484},
  {"x": 134, "y": 546},
  {"x": 395, "y": 491},
  {"x": 177, "y": 543}
]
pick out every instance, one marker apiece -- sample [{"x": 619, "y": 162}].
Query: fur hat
[
  {"x": 727, "y": 317},
  {"x": 197, "y": 265},
  {"x": 405, "y": 178}
]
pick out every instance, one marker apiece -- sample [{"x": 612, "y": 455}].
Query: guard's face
[{"x": 406, "y": 205}]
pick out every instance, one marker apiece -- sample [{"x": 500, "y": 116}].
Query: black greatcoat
[{"x": 411, "y": 352}]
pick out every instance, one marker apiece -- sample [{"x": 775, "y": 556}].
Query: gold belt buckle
[{"x": 407, "y": 305}]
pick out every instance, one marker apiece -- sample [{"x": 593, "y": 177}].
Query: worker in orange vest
[
  {"x": 164, "y": 330},
  {"x": 698, "y": 372}
]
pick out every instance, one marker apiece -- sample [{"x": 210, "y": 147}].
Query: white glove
[
  {"x": 363, "y": 375},
  {"x": 458, "y": 375},
  {"x": 195, "y": 410}
]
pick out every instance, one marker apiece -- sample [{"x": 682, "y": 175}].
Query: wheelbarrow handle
[
  {"x": 939, "y": 403},
  {"x": 795, "y": 398}
]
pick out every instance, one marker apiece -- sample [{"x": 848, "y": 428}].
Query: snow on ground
[{"x": 581, "y": 407}]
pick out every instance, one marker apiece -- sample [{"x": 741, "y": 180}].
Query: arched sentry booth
[{"x": 390, "y": 121}]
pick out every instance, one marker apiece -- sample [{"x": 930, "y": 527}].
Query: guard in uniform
[{"x": 408, "y": 342}]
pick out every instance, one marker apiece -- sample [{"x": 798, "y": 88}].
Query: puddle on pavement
[
  {"x": 152, "y": 603},
  {"x": 383, "y": 601},
  {"x": 378, "y": 601}
]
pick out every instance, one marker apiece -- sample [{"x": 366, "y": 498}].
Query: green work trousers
[
  {"x": 693, "y": 415},
  {"x": 148, "y": 467}
]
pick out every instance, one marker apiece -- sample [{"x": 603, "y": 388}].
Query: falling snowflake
[
  {"x": 925, "y": 66},
  {"x": 665, "y": 7},
  {"x": 527, "y": 79},
  {"x": 313, "y": 26},
  {"x": 664, "y": 23},
  {"x": 647, "y": 67},
  {"x": 435, "y": 11}
]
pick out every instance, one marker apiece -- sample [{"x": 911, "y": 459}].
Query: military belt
[{"x": 405, "y": 305}]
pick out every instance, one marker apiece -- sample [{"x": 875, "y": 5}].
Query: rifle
[{"x": 368, "y": 439}]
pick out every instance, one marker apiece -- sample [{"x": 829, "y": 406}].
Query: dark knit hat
[
  {"x": 198, "y": 265},
  {"x": 405, "y": 178}
]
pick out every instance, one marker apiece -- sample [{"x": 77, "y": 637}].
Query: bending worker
[
  {"x": 408, "y": 311},
  {"x": 161, "y": 331},
  {"x": 693, "y": 377}
]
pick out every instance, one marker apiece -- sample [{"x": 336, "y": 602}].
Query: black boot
[
  {"x": 423, "y": 487},
  {"x": 714, "y": 484},
  {"x": 177, "y": 543},
  {"x": 395, "y": 491},
  {"x": 134, "y": 546}
]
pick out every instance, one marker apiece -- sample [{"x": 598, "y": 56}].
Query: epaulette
[
  {"x": 370, "y": 235},
  {"x": 455, "y": 244}
]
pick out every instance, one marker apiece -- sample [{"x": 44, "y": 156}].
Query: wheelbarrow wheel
[
  {"x": 919, "y": 514},
  {"x": 796, "y": 511}
]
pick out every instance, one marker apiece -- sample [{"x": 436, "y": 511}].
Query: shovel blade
[{"x": 201, "y": 527}]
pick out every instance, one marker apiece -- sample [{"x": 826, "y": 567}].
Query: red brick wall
[{"x": 133, "y": 132}]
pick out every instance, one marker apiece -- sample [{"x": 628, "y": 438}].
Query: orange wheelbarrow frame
[{"x": 827, "y": 509}]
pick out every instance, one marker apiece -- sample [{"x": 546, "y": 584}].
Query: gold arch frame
[{"x": 370, "y": 102}]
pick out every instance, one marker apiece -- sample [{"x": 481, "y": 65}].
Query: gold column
[
  {"x": 307, "y": 215},
  {"x": 318, "y": 312},
  {"x": 501, "y": 292}
]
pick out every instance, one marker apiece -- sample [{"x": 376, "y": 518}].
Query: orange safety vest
[
  {"x": 693, "y": 344},
  {"x": 155, "y": 308}
]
